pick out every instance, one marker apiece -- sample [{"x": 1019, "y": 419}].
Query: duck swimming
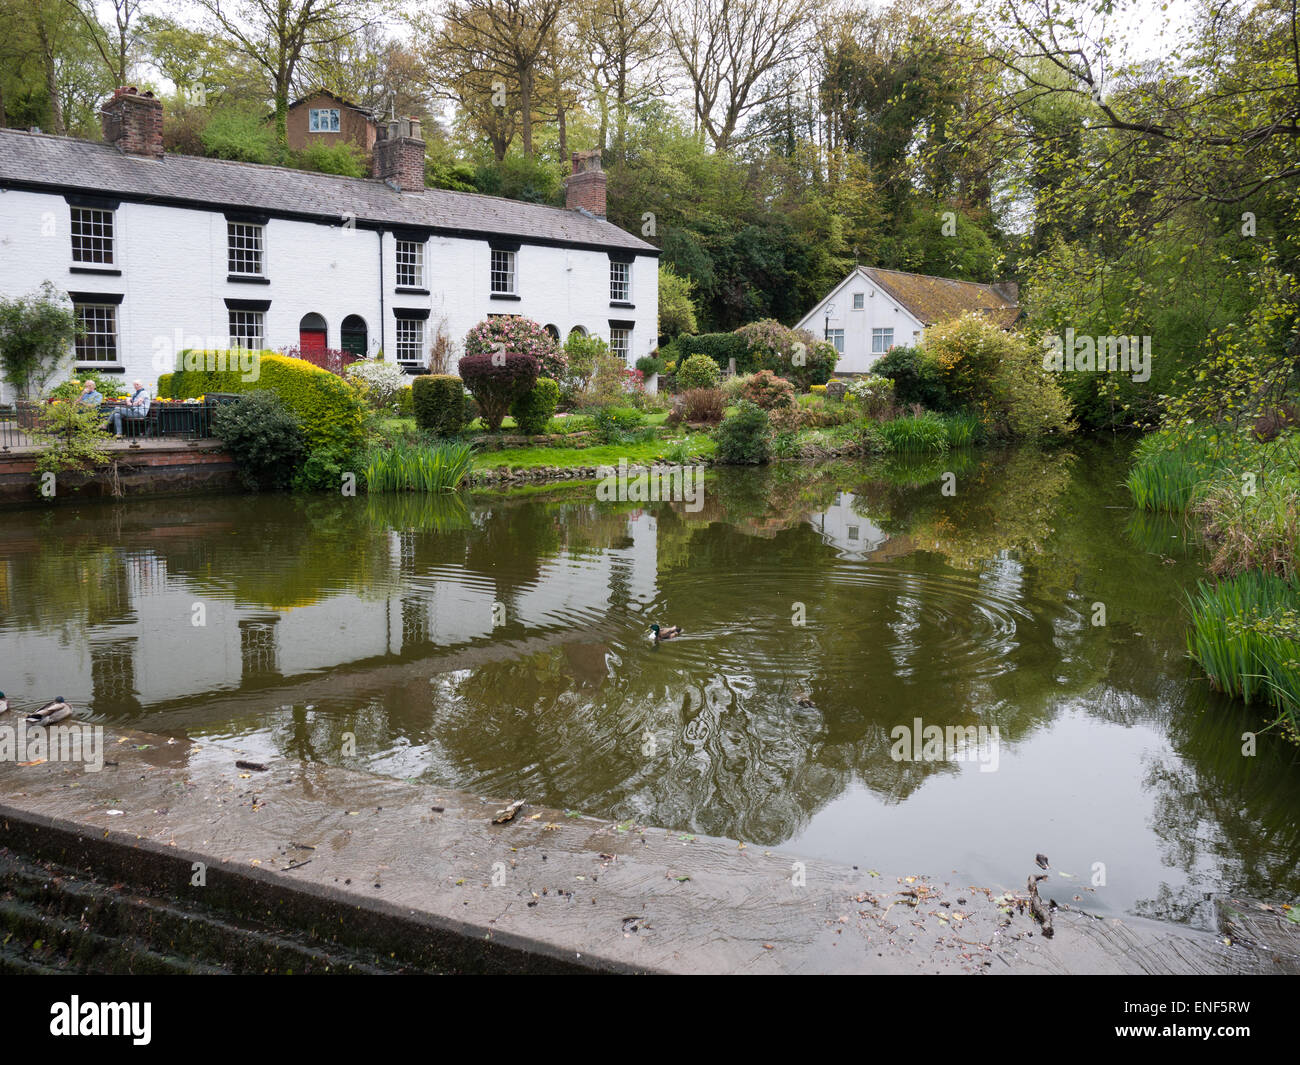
[
  {"x": 55, "y": 710},
  {"x": 659, "y": 635}
]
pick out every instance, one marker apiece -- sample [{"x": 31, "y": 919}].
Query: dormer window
[{"x": 323, "y": 120}]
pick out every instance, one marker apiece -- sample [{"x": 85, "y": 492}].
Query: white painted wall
[
  {"x": 879, "y": 311},
  {"x": 173, "y": 263}
]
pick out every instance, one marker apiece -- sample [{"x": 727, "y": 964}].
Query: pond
[{"x": 498, "y": 644}]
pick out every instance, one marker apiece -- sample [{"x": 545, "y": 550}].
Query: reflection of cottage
[
  {"x": 847, "y": 531},
  {"x": 873, "y": 310},
  {"x": 162, "y": 252}
]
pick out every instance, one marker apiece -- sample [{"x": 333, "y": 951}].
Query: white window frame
[
  {"x": 414, "y": 341},
  {"x": 101, "y": 353},
  {"x": 331, "y": 125},
  {"x": 99, "y": 236},
  {"x": 410, "y": 257},
  {"x": 620, "y": 282},
  {"x": 859, "y": 301},
  {"x": 504, "y": 272},
  {"x": 620, "y": 342},
  {"x": 246, "y": 326},
  {"x": 836, "y": 337},
  {"x": 882, "y": 339},
  {"x": 245, "y": 243}
]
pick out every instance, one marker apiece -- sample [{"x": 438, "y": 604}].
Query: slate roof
[
  {"x": 65, "y": 164},
  {"x": 936, "y": 299}
]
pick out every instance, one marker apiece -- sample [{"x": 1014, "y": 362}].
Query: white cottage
[
  {"x": 162, "y": 252},
  {"x": 873, "y": 310}
]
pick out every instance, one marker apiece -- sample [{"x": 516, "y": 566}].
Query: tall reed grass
[
  {"x": 406, "y": 466},
  {"x": 916, "y": 434}
]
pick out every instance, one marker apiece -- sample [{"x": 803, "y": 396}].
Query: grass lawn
[
  {"x": 576, "y": 423},
  {"x": 603, "y": 455}
]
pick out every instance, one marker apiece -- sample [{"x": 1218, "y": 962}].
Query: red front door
[{"x": 311, "y": 341}]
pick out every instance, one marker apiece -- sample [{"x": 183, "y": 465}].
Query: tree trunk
[
  {"x": 51, "y": 78},
  {"x": 526, "y": 109}
]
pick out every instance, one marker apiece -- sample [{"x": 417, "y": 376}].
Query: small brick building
[{"x": 324, "y": 118}]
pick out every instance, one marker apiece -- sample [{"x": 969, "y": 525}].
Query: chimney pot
[
  {"x": 585, "y": 187},
  {"x": 399, "y": 157},
  {"x": 132, "y": 122}
]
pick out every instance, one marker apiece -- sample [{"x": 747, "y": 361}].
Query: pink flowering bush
[
  {"x": 794, "y": 354},
  {"x": 768, "y": 391},
  {"x": 520, "y": 336}
]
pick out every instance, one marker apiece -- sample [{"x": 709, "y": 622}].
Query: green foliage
[
  {"x": 697, "y": 371},
  {"x": 405, "y": 400},
  {"x": 265, "y": 438},
  {"x": 496, "y": 381},
  {"x": 676, "y": 308},
  {"x": 532, "y": 411},
  {"x": 438, "y": 403},
  {"x": 650, "y": 365},
  {"x": 744, "y": 437},
  {"x": 964, "y": 429},
  {"x": 36, "y": 332},
  {"x": 720, "y": 347},
  {"x": 794, "y": 354},
  {"x": 612, "y": 424},
  {"x": 1245, "y": 634},
  {"x": 917, "y": 378},
  {"x": 342, "y": 158},
  {"x": 73, "y": 438},
  {"x": 518, "y": 177},
  {"x": 405, "y": 466},
  {"x": 583, "y": 354},
  {"x": 916, "y": 433},
  {"x": 325, "y": 469},
  {"x": 768, "y": 391},
  {"x": 240, "y": 134}
]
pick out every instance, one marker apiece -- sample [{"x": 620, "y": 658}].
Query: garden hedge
[
  {"x": 532, "y": 411},
  {"x": 331, "y": 412},
  {"x": 720, "y": 347},
  {"x": 438, "y": 402}
]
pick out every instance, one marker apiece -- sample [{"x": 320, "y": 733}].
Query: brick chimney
[
  {"x": 132, "y": 122},
  {"x": 585, "y": 187},
  {"x": 399, "y": 156}
]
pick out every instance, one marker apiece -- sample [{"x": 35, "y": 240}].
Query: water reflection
[{"x": 499, "y": 645}]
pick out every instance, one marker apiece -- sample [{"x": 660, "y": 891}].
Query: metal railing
[{"x": 19, "y": 423}]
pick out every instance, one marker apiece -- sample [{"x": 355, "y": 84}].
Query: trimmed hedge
[
  {"x": 720, "y": 347},
  {"x": 331, "y": 412},
  {"x": 532, "y": 411},
  {"x": 437, "y": 400}
]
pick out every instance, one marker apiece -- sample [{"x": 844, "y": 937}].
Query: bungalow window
[
  {"x": 620, "y": 282},
  {"x": 323, "y": 120},
  {"x": 620, "y": 343},
  {"x": 503, "y": 271},
  {"x": 92, "y": 235},
  {"x": 96, "y": 332},
  {"x": 247, "y": 329},
  {"x": 244, "y": 248},
  {"x": 410, "y": 264},
  {"x": 881, "y": 341},
  {"x": 859, "y": 301},
  {"x": 836, "y": 337},
  {"x": 410, "y": 340}
]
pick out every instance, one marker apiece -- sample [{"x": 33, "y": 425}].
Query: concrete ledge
[{"x": 420, "y": 875}]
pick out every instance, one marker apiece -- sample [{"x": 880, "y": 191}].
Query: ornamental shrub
[
  {"x": 612, "y": 424},
  {"x": 745, "y": 436},
  {"x": 720, "y": 347},
  {"x": 380, "y": 380},
  {"x": 583, "y": 354},
  {"x": 917, "y": 378},
  {"x": 264, "y": 437},
  {"x": 705, "y": 405},
  {"x": 438, "y": 401},
  {"x": 698, "y": 371},
  {"x": 330, "y": 411},
  {"x": 794, "y": 354},
  {"x": 873, "y": 394},
  {"x": 768, "y": 391},
  {"x": 532, "y": 411},
  {"x": 519, "y": 336},
  {"x": 496, "y": 381}
]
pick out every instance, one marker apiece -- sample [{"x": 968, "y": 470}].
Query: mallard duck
[
  {"x": 53, "y": 711},
  {"x": 658, "y": 635}
]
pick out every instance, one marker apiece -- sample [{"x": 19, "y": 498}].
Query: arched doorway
[
  {"x": 353, "y": 335},
  {"x": 554, "y": 331},
  {"x": 312, "y": 334}
]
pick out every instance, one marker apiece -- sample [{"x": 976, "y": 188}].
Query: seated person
[
  {"x": 137, "y": 409},
  {"x": 90, "y": 395}
]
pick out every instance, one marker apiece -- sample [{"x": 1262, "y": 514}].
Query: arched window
[
  {"x": 312, "y": 334},
  {"x": 578, "y": 330},
  {"x": 353, "y": 335},
  {"x": 554, "y": 331}
]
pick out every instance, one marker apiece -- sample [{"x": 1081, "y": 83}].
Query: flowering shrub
[
  {"x": 519, "y": 336},
  {"x": 768, "y": 391},
  {"x": 380, "y": 381},
  {"x": 794, "y": 354},
  {"x": 497, "y": 381},
  {"x": 875, "y": 394}
]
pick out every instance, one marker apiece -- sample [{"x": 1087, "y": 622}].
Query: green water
[{"x": 498, "y": 645}]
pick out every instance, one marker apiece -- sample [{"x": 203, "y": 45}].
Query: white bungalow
[{"x": 873, "y": 310}]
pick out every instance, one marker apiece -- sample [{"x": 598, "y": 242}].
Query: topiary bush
[
  {"x": 766, "y": 390},
  {"x": 439, "y": 404},
  {"x": 517, "y": 335},
  {"x": 744, "y": 438},
  {"x": 698, "y": 371},
  {"x": 331, "y": 412},
  {"x": 533, "y": 409},
  {"x": 264, "y": 437},
  {"x": 496, "y": 381}
]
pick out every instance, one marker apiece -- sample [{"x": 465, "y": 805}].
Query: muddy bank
[{"x": 337, "y": 860}]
